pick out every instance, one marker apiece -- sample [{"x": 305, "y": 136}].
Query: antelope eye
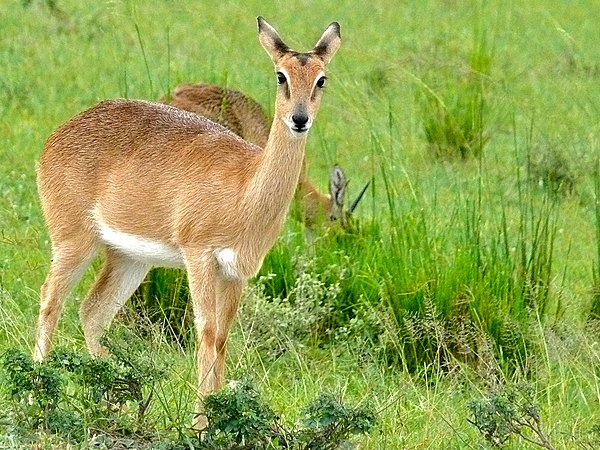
[
  {"x": 281, "y": 78},
  {"x": 321, "y": 82}
]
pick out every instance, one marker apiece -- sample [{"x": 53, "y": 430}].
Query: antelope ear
[
  {"x": 329, "y": 43},
  {"x": 337, "y": 186},
  {"x": 270, "y": 40},
  {"x": 358, "y": 198}
]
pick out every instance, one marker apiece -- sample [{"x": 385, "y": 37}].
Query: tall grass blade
[{"x": 141, "y": 43}]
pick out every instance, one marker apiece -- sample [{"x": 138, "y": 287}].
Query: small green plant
[
  {"x": 513, "y": 412},
  {"x": 125, "y": 379},
  {"x": 328, "y": 423},
  {"x": 72, "y": 392},
  {"x": 37, "y": 397},
  {"x": 239, "y": 419}
]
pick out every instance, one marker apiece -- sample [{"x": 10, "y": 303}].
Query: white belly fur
[
  {"x": 154, "y": 253},
  {"x": 157, "y": 253}
]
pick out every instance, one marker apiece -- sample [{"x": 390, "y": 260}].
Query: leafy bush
[
  {"x": 126, "y": 377},
  {"x": 273, "y": 325},
  {"x": 72, "y": 392},
  {"x": 37, "y": 394},
  {"x": 328, "y": 423},
  {"x": 512, "y": 412},
  {"x": 238, "y": 419}
]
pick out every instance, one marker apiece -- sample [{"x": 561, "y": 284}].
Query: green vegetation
[{"x": 462, "y": 308}]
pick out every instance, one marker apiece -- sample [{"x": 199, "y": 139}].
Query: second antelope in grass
[
  {"x": 153, "y": 185},
  {"x": 246, "y": 118}
]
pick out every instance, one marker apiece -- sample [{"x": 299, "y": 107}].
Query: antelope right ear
[
  {"x": 358, "y": 198},
  {"x": 329, "y": 43},
  {"x": 270, "y": 40},
  {"x": 337, "y": 186}
]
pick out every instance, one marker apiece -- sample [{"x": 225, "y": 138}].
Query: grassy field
[{"x": 476, "y": 269}]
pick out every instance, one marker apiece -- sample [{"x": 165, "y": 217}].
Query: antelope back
[
  {"x": 231, "y": 108},
  {"x": 132, "y": 170}
]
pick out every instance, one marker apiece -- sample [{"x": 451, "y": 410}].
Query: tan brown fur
[
  {"x": 152, "y": 185},
  {"x": 246, "y": 118},
  {"x": 228, "y": 107}
]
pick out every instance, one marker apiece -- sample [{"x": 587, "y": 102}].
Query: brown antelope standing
[
  {"x": 153, "y": 185},
  {"x": 246, "y": 118}
]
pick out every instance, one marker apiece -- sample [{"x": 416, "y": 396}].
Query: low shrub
[
  {"x": 512, "y": 412},
  {"x": 238, "y": 419},
  {"x": 72, "y": 392}
]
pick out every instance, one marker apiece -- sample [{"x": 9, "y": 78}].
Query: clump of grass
[
  {"x": 163, "y": 299},
  {"x": 550, "y": 169},
  {"x": 454, "y": 125},
  {"x": 454, "y": 110}
]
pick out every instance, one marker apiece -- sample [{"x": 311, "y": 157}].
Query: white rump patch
[
  {"x": 148, "y": 251},
  {"x": 227, "y": 260}
]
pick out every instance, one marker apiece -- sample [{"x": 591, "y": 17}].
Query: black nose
[{"x": 300, "y": 120}]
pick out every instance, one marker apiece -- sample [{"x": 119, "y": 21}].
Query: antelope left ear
[
  {"x": 270, "y": 40},
  {"x": 337, "y": 186},
  {"x": 329, "y": 43}
]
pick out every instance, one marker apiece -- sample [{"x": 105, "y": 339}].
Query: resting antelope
[
  {"x": 153, "y": 185},
  {"x": 246, "y": 118}
]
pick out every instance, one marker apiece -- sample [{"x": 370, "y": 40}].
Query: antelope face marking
[
  {"x": 301, "y": 79},
  {"x": 300, "y": 76}
]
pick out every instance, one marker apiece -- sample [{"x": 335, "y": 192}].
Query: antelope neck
[{"x": 273, "y": 185}]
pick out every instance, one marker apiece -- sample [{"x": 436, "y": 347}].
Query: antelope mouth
[{"x": 299, "y": 131}]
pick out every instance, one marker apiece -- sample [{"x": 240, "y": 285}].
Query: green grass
[{"x": 441, "y": 240}]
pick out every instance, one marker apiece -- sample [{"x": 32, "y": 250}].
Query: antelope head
[
  {"x": 337, "y": 195},
  {"x": 298, "y": 100}
]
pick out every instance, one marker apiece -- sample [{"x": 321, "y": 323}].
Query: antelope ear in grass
[{"x": 358, "y": 198}]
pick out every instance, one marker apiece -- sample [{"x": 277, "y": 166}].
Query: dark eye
[
  {"x": 321, "y": 82},
  {"x": 281, "y": 78}
]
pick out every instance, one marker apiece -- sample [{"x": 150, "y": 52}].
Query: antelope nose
[{"x": 300, "y": 120}]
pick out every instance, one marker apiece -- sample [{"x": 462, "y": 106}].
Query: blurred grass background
[{"x": 444, "y": 222}]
